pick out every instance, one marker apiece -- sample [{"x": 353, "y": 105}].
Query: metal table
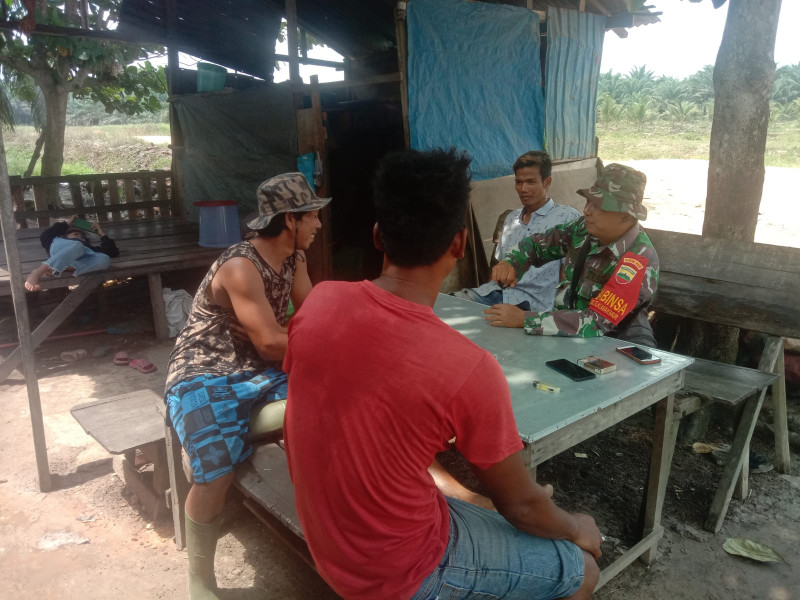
[{"x": 550, "y": 423}]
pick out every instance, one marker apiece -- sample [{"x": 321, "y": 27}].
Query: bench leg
[
  {"x": 159, "y": 308},
  {"x": 179, "y": 487},
  {"x": 666, "y": 431},
  {"x": 736, "y": 462},
  {"x": 783, "y": 460}
]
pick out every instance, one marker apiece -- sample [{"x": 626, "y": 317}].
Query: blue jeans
[
  {"x": 72, "y": 253},
  {"x": 488, "y": 558},
  {"x": 495, "y": 297}
]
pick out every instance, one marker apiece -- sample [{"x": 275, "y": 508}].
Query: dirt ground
[{"x": 89, "y": 538}]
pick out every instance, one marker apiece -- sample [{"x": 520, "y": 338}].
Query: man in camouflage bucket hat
[
  {"x": 611, "y": 267},
  {"x": 225, "y": 385}
]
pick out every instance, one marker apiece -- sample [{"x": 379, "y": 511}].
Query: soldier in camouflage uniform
[
  {"x": 611, "y": 270},
  {"x": 227, "y": 360}
]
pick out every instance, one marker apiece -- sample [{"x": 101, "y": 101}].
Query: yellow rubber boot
[{"x": 201, "y": 545}]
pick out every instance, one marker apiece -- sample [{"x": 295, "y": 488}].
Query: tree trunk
[
  {"x": 53, "y": 155},
  {"x": 743, "y": 77},
  {"x": 56, "y": 109}
]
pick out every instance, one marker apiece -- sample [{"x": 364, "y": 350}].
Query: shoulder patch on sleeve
[{"x": 621, "y": 292}]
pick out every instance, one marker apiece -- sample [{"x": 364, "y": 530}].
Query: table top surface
[{"x": 522, "y": 357}]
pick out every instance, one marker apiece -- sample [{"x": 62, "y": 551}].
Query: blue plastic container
[{"x": 219, "y": 224}]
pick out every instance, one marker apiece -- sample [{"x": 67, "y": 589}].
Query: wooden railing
[{"x": 109, "y": 196}]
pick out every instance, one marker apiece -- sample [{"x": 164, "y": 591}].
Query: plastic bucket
[
  {"x": 219, "y": 224},
  {"x": 210, "y": 78}
]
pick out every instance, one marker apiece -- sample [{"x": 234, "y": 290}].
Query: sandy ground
[{"x": 676, "y": 196}]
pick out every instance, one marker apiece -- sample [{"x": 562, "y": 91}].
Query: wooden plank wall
[{"x": 741, "y": 284}]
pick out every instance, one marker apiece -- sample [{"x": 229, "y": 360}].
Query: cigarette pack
[{"x": 596, "y": 365}]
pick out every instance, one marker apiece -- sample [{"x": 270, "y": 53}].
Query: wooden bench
[
  {"x": 739, "y": 284},
  {"x": 147, "y": 247},
  {"x": 124, "y": 424}
]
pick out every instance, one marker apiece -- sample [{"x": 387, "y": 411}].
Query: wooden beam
[
  {"x": 8, "y": 226},
  {"x": 112, "y": 36},
  {"x": 311, "y": 61},
  {"x": 350, "y": 83},
  {"x": 291, "y": 39},
  {"x": 582, "y": 6},
  {"x": 598, "y": 4},
  {"x": 623, "y": 33}
]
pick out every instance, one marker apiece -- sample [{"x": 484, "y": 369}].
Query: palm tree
[
  {"x": 608, "y": 110},
  {"x": 639, "y": 112},
  {"x": 682, "y": 111}
]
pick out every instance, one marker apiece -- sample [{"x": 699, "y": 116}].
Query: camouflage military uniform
[{"x": 604, "y": 273}]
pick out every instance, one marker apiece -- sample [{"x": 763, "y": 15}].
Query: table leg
[
  {"x": 666, "y": 431},
  {"x": 527, "y": 457},
  {"x": 159, "y": 308},
  {"x": 783, "y": 460}
]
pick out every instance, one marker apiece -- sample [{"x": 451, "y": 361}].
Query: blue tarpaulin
[{"x": 474, "y": 81}]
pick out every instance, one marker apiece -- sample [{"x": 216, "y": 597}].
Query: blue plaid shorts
[{"x": 211, "y": 414}]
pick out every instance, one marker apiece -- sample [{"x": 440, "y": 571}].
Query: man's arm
[
  {"x": 533, "y": 251},
  {"x": 301, "y": 285},
  {"x": 588, "y": 322},
  {"x": 450, "y": 486},
  {"x": 529, "y": 508},
  {"x": 239, "y": 282}
]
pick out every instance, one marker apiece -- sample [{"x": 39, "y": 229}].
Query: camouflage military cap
[
  {"x": 620, "y": 189},
  {"x": 289, "y": 192}
]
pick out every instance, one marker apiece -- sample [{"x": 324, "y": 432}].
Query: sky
[{"x": 688, "y": 38}]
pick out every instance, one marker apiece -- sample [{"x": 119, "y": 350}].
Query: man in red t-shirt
[{"x": 378, "y": 385}]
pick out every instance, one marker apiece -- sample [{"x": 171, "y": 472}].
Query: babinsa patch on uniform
[{"x": 620, "y": 293}]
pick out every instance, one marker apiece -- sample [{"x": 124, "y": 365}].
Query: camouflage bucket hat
[
  {"x": 620, "y": 189},
  {"x": 289, "y": 192}
]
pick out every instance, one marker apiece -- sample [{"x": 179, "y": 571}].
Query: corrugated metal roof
[
  {"x": 238, "y": 33},
  {"x": 574, "y": 50}
]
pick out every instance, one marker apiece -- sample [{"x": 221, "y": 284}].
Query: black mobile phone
[
  {"x": 570, "y": 369},
  {"x": 641, "y": 356}
]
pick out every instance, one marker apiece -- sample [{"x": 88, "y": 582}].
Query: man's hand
[
  {"x": 238, "y": 330},
  {"x": 504, "y": 274},
  {"x": 71, "y": 219},
  {"x": 97, "y": 229},
  {"x": 589, "y": 537},
  {"x": 504, "y": 315}
]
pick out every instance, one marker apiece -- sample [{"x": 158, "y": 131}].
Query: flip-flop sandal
[
  {"x": 121, "y": 358},
  {"x": 142, "y": 365},
  {"x": 74, "y": 355}
]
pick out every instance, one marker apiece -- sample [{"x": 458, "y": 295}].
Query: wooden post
[
  {"x": 13, "y": 261},
  {"x": 40, "y": 203},
  {"x": 99, "y": 200},
  {"x": 401, "y": 35},
  {"x": 291, "y": 40},
  {"x": 176, "y": 134},
  {"x": 325, "y": 241},
  {"x": 18, "y": 193}
]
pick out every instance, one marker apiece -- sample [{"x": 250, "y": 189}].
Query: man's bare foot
[{"x": 32, "y": 282}]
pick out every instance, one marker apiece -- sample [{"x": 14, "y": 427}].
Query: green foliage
[
  {"x": 134, "y": 91},
  {"x": 639, "y": 96}
]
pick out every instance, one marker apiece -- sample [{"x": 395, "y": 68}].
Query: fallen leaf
[{"x": 752, "y": 550}]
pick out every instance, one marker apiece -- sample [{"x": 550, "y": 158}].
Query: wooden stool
[{"x": 122, "y": 425}]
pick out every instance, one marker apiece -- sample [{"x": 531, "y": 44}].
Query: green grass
[
  {"x": 102, "y": 149},
  {"x": 661, "y": 139}
]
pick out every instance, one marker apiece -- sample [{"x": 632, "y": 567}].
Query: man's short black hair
[
  {"x": 535, "y": 158},
  {"x": 421, "y": 202}
]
